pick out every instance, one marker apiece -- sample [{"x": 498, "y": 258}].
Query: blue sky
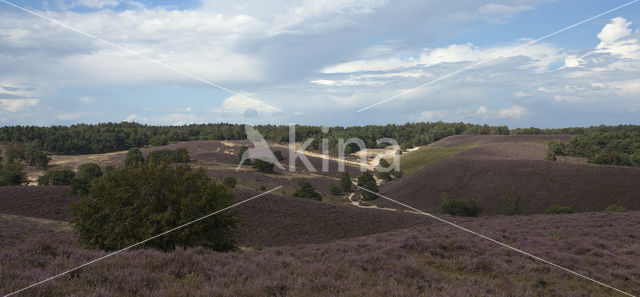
[{"x": 319, "y": 62}]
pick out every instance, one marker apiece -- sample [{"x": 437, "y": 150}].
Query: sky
[{"x": 320, "y": 62}]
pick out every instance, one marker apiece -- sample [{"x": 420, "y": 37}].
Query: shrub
[
  {"x": 511, "y": 203},
  {"x": 306, "y": 190},
  {"x": 383, "y": 175},
  {"x": 559, "y": 209},
  {"x": 36, "y": 157},
  {"x": 263, "y": 166},
  {"x": 179, "y": 155},
  {"x": 134, "y": 155},
  {"x": 86, "y": 174},
  {"x": 367, "y": 181},
  {"x": 230, "y": 181},
  {"x": 158, "y": 140},
  {"x": 129, "y": 205},
  {"x": 12, "y": 174},
  {"x": 615, "y": 208},
  {"x": 397, "y": 174},
  {"x": 278, "y": 155},
  {"x": 57, "y": 177},
  {"x": 459, "y": 207},
  {"x": 335, "y": 190},
  {"x": 345, "y": 182},
  {"x": 247, "y": 161}
]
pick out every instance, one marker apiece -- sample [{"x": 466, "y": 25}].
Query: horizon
[{"x": 251, "y": 63}]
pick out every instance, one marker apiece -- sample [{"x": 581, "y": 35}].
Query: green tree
[
  {"x": 247, "y": 161},
  {"x": 367, "y": 181},
  {"x": 382, "y": 174},
  {"x": 11, "y": 174},
  {"x": 459, "y": 207},
  {"x": 129, "y": 205},
  {"x": 345, "y": 182},
  {"x": 306, "y": 190},
  {"x": 134, "y": 156},
  {"x": 230, "y": 181},
  {"x": 158, "y": 140},
  {"x": 36, "y": 157},
  {"x": 263, "y": 166},
  {"x": 278, "y": 155},
  {"x": 57, "y": 177},
  {"x": 511, "y": 203},
  {"x": 86, "y": 174}
]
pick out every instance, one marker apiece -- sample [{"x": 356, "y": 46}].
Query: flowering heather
[{"x": 421, "y": 261}]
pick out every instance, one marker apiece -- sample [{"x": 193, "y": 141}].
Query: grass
[{"x": 413, "y": 161}]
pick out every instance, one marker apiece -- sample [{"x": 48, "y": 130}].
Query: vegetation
[
  {"x": 179, "y": 155},
  {"x": 134, "y": 156},
  {"x": 413, "y": 161},
  {"x": 230, "y": 181},
  {"x": 278, "y": 155},
  {"x": 459, "y": 207},
  {"x": 129, "y": 205},
  {"x": 559, "y": 209},
  {"x": 246, "y": 161},
  {"x": 306, "y": 190},
  {"x": 511, "y": 203},
  {"x": 263, "y": 166},
  {"x": 335, "y": 190},
  {"x": 111, "y": 137},
  {"x": 11, "y": 174},
  {"x": 345, "y": 182},
  {"x": 367, "y": 181},
  {"x": 57, "y": 177},
  {"x": 86, "y": 174},
  {"x": 616, "y": 208},
  {"x": 619, "y": 145},
  {"x": 382, "y": 174}
]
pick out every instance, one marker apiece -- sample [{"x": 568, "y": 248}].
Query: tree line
[
  {"x": 110, "y": 137},
  {"x": 609, "y": 145}
]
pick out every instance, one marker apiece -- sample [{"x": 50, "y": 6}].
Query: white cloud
[
  {"x": 618, "y": 28},
  {"x": 612, "y": 42},
  {"x": 240, "y": 104},
  {"x": 14, "y": 105},
  {"x": 481, "y": 111},
  {"x": 432, "y": 116},
  {"x": 497, "y": 12},
  {"x": 86, "y": 100},
  {"x": 70, "y": 116},
  {"x": 514, "y": 112},
  {"x": 521, "y": 94},
  {"x": 132, "y": 117},
  {"x": 573, "y": 61}
]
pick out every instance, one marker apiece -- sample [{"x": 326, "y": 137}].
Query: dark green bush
[
  {"x": 179, "y": 155},
  {"x": 511, "y": 203},
  {"x": 134, "y": 155},
  {"x": 306, "y": 190},
  {"x": 616, "y": 208},
  {"x": 263, "y": 166},
  {"x": 367, "y": 181},
  {"x": 345, "y": 182},
  {"x": 559, "y": 209},
  {"x": 57, "y": 177},
  {"x": 459, "y": 207},
  {"x": 230, "y": 181},
  {"x": 158, "y": 140},
  {"x": 132, "y": 204},
  {"x": 278, "y": 155},
  {"x": 335, "y": 190},
  {"x": 11, "y": 174},
  {"x": 81, "y": 184},
  {"x": 247, "y": 161}
]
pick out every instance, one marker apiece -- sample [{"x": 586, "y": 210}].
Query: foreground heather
[{"x": 429, "y": 260}]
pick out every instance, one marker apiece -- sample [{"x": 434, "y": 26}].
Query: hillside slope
[
  {"x": 503, "y": 162},
  {"x": 270, "y": 220}
]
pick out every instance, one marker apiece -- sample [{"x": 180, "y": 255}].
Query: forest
[
  {"x": 608, "y": 145},
  {"x": 110, "y": 137}
]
